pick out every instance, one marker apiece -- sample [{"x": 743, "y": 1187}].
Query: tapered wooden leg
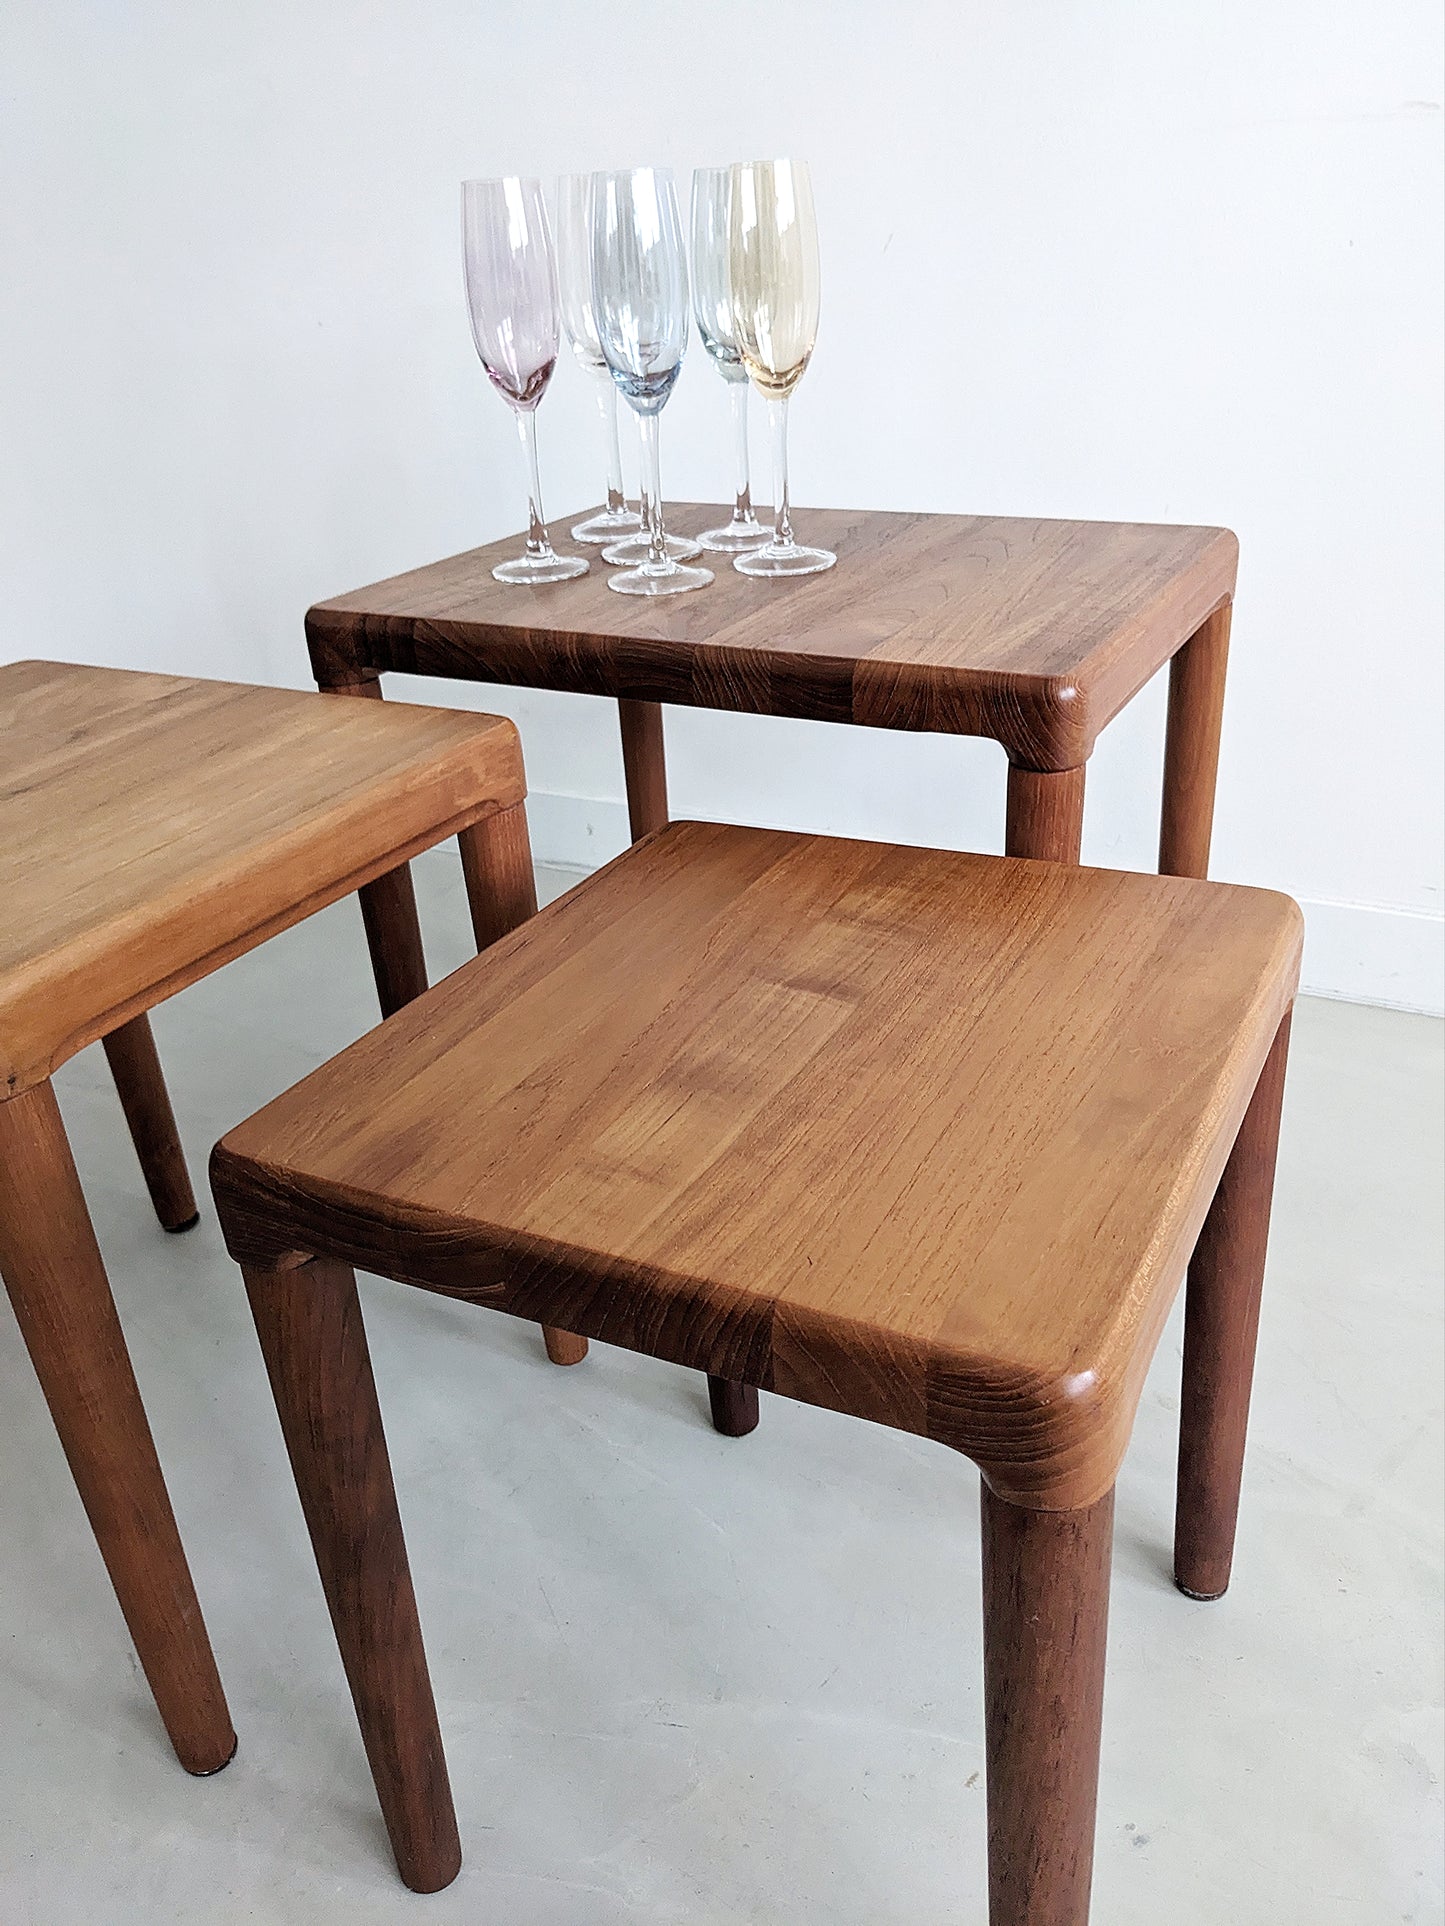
[
  {"x": 388, "y": 912},
  {"x": 1191, "y": 747},
  {"x": 734, "y": 1407},
  {"x": 1221, "y": 1322},
  {"x": 136, "y": 1068},
  {"x": 1045, "y": 813},
  {"x": 1045, "y": 1614},
  {"x": 309, "y": 1323},
  {"x": 53, "y": 1271},
  {"x": 501, "y": 882},
  {"x": 502, "y": 893},
  {"x": 393, "y": 935},
  {"x": 644, "y": 765}
]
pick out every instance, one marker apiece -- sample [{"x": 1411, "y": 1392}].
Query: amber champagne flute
[
  {"x": 712, "y": 189},
  {"x": 512, "y": 299},
  {"x": 773, "y": 261}
]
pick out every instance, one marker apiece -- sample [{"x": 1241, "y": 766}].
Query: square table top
[
  {"x": 923, "y": 1136},
  {"x": 153, "y": 826},
  {"x": 1034, "y": 633}
]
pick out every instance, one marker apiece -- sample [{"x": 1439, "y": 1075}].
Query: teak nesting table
[
  {"x": 923, "y": 1137},
  {"x": 151, "y": 828},
  {"x": 1034, "y": 633}
]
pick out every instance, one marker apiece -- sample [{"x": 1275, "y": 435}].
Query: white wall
[{"x": 1114, "y": 259}]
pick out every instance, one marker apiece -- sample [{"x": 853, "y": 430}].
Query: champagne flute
[
  {"x": 574, "y": 276},
  {"x": 773, "y": 255},
  {"x": 512, "y": 299},
  {"x": 712, "y": 311},
  {"x": 639, "y": 299}
]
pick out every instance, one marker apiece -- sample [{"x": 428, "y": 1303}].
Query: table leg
[
  {"x": 501, "y": 893},
  {"x": 1221, "y": 1322},
  {"x": 393, "y": 935},
  {"x": 1045, "y": 1614},
  {"x": 309, "y": 1323},
  {"x": 644, "y": 765},
  {"x": 1045, "y": 813},
  {"x": 1191, "y": 747},
  {"x": 734, "y": 1406},
  {"x": 388, "y": 912},
  {"x": 141, "y": 1087},
  {"x": 57, "y": 1284}
]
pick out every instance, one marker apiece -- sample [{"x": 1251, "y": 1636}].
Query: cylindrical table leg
[
  {"x": 141, "y": 1087},
  {"x": 1221, "y": 1323},
  {"x": 309, "y": 1324},
  {"x": 393, "y": 936},
  {"x": 52, "y": 1268},
  {"x": 1045, "y": 813},
  {"x": 388, "y": 913},
  {"x": 1045, "y": 1617},
  {"x": 644, "y": 765},
  {"x": 734, "y": 1406},
  {"x": 502, "y": 893},
  {"x": 1191, "y": 747}
]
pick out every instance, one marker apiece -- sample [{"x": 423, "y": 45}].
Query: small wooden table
[
  {"x": 923, "y": 1137},
  {"x": 1035, "y": 633},
  {"x": 152, "y": 828}
]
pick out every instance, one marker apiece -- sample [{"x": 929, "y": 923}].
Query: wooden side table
[
  {"x": 1034, "y": 633},
  {"x": 922, "y": 1137},
  {"x": 152, "y": 828}
]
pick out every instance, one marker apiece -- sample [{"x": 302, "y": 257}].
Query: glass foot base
[
  {"x": 608, "y": 526},
  {"x": 637, "y": 548},
  {"x": 736, "y": 538},
  {"x": 550, "y": 567},
  {"x": 672, "y": 580},
  {"x": 788, "y": 560}
]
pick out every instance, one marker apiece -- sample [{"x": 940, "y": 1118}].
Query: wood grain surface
[
  {"x": 136, "y": 1067},
  {"x": 1221, "y": 1324},
  {"x": 1032, "y": 632},
  {"x": 1045, "y": 1620},
  {"x": 1045, "y": 814},
  {"x": 314, "y": 1343},
  {"x": 644, "y": 766},
  {"x": 152, "y": 827},
  {"x": 921, "y": 1136},
  {"x": 53, "y": 1272},
  {"x": 1191, "y": 747}
]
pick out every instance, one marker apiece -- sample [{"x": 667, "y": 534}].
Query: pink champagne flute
[{"x": 512, "y": 298}]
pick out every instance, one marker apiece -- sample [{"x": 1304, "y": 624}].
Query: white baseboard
[
  {"x": 575, "y": 832},
  {"x": 1372, "y": 953},
  {"x": 1361, "y": 952}
]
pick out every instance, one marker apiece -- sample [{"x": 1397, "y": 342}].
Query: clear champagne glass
[
  {"x": 639, "y": 299},
  {"x": 773, "y": 255},
  {"x": 574, "y": 277},
  {"x": 512, "y": 299},
  {"x": 712, "y": 311}
]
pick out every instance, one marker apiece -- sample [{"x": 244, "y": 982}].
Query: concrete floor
[{"x": 687, "y": 1679}]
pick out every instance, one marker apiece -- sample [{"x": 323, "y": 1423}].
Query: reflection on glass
[
  {"x": 512, "y": 299},
  {"x": 639, "y": 301},
  {"x": 712, "y": 311},
  {"x": 773, "y": 267},
  {"x": 574, "y": 277}
]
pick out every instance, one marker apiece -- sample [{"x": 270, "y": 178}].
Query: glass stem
[
  {"x": 743, "y": 498},
  {"x": 607, "y": 400},
  {"x": 652, "y": 494},
  {"x": 782, "y": 525},
  {"x": 538, "y": 541}
]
